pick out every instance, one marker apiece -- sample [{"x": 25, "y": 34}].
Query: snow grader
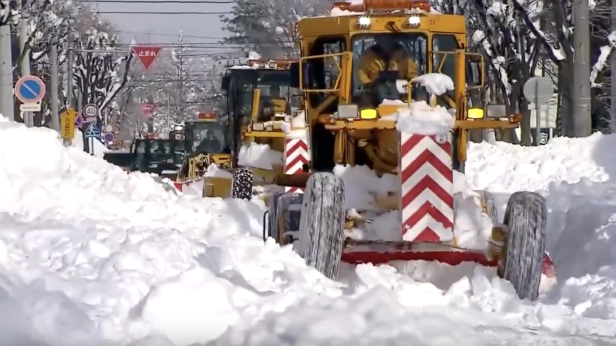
[
  {"x": 352, "y": 123},
  {"x": 258, "y": 98}
]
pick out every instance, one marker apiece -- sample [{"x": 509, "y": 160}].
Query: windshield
[
  {"x": 381, "y": 59},
  {"x": 276, "y": 94},
  {"x": 208, "y": 137},
  {"x": 156, "y": 151}
]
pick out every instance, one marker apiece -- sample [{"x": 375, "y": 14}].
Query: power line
[
  {"x": 158, "y": 2},
  {"x": 170, "y": 13},
  {"x": 171, "y": 35}
]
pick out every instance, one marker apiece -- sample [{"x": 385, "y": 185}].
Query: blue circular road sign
[
  {"x": 108, "y": 137},
  {"x": 78, "y": 121},
  {"x": 29, "y": 89}
]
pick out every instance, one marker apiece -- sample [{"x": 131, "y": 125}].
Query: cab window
[
  {"x": 381, "y": 71},
  {"x": 323, "y": 72},
  {"x": 444, "y": 63}
]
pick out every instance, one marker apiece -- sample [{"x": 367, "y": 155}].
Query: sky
[{"x": 201, "y": 29}]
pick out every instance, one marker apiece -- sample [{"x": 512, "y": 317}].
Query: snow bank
[
  {"x": 90, "y": 254},
  {"x": 259, "y": 156},
  {"x": 534, "y": 168},
  {"x": 577, "y": 178}
]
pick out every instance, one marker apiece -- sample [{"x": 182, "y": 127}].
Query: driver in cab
[
  {"x": 209, "y": 144},
  {"x": 385, "y": 55}
]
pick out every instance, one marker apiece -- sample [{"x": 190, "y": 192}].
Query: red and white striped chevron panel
[
  {"x": 426, "y": 176},
  {"x": 295, "y": 156}
]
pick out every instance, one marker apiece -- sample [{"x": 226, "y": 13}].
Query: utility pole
[
  {"x": 7, "y": 103},
  {"x": 55, "y": 78},
  {"x": 613, "y": 71},
  {"x": 181, "y": 97},
  {"x": 69, "y": 70},
  {"x": 582, "y": 121},
  {"x": 24, "y": 65}
]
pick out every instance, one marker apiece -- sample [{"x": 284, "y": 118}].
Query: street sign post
[
  {"x": 91, "y": 133},
  {"x": 538, "y": 90},
  {"x": 146, "y": 54},
  {"x": 30, "y": 90},
  {"x": 90, "y": 110},
  {"x": 67, "y": 120}
]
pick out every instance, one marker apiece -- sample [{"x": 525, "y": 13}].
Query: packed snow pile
[
  {"x": 422, "y": 119},
  {"x": 214, "y": 171},
  {"x": 90, "y": 254},
  {"x": 296, "y": 128},
  {"x": 259, "y": 156},
  {"x": 364, "y": 189},
  {"x": 435, "y": 83}
]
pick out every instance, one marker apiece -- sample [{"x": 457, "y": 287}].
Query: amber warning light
[
  {"x": 383, "y": 5},
  {"x": 207, "y": 116}
]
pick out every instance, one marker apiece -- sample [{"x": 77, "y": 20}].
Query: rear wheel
[
  {"x": 526, "y": 220},
  {"x": 321, "y": 228}
]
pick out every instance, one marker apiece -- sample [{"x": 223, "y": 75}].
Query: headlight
[
  {"x": 368, "y": 114},
  {"x": 475, "y": 113},
  {"x": 364, "y": 22},
  {"x": 414, "y": 20}
]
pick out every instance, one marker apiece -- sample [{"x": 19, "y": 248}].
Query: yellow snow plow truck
[{"x": 385, "y": 85}]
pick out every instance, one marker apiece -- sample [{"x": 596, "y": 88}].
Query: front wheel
[
  {"x": 321, "y": 227},
  {"x": 526, "y": 221}
]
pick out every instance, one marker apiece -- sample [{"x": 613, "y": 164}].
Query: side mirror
[
  {"x": 225, "y": 83},
  {"x": 474, "y": 71}
]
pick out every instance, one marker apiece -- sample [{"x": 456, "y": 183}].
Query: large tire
[
  {"x": 321, "y": 235},
  {"x": 526, "y": 220},
  {"x": 491, "y": 209},
  {"x": 242, "y": 183}
]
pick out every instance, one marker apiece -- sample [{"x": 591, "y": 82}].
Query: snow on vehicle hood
[{"x": 88, "y": 252}]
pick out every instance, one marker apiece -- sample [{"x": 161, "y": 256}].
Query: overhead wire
[
  {"x": 161, "y": 12},
  {"x": 188, "y": 2}
]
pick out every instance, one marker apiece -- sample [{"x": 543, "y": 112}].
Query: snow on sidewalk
[{"x": 90, "y": 254}]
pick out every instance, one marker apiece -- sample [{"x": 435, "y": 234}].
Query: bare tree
[{"x": 268, "y": 26}]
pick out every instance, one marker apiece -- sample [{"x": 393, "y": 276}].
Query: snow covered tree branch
[
  {"x": 101, "y": 70},
  {"x": 268, "y": 26}
]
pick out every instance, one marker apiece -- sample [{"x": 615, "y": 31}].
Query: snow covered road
[{"x": 89, "y": 254}]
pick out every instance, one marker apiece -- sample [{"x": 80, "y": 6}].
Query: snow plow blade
[{"x": 360, "y": 252}]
